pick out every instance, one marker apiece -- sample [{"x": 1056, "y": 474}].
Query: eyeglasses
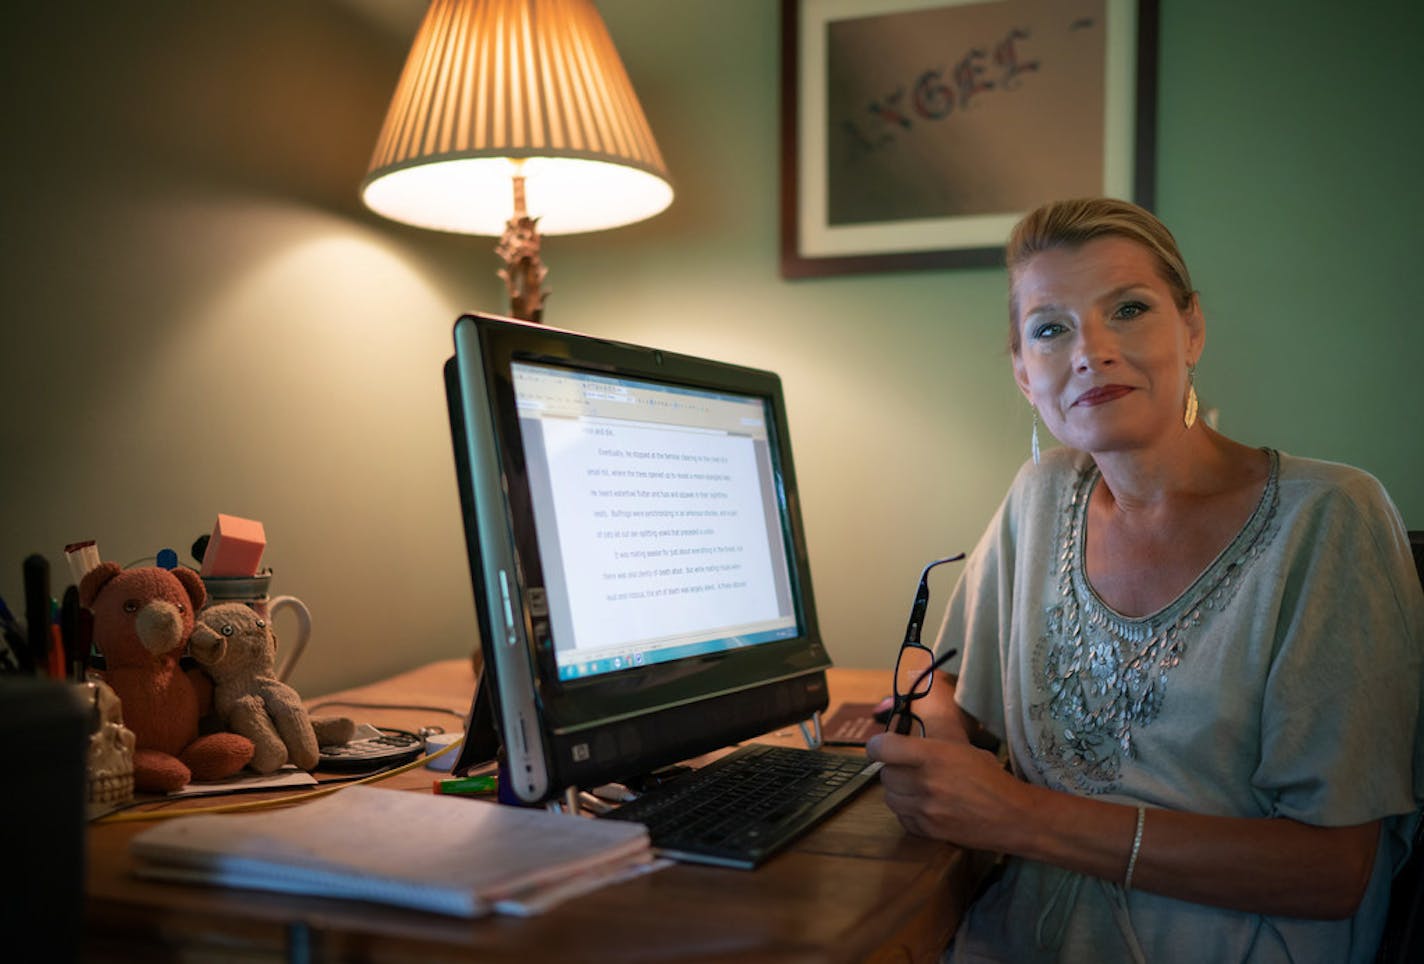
[{"x": 915, "y": 666}]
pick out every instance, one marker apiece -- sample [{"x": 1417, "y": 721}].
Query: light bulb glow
[{"x": 474, "y": 195}]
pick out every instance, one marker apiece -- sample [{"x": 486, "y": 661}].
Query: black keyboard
[{"x": 742, "y": 808}]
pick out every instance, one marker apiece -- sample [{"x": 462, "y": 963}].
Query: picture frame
[{"x": 915, "y": 133}]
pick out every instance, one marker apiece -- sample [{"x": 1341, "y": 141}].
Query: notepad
[{"x": 446, "y": 855}]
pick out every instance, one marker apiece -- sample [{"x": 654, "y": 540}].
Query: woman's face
[{"x": 1104, "y": 349}]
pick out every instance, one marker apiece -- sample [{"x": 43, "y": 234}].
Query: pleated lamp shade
[{"x": 494, "y": 88}]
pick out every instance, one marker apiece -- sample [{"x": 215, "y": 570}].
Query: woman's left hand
[{"x": 949, "y": 789}]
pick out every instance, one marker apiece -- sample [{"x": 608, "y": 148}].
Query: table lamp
[{"x": 512, "y": 108}]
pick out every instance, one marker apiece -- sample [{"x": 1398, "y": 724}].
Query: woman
[{"x": 1204, "y": 659}]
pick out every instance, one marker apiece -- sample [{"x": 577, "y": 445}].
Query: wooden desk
[{"x": 857, "y": 888}]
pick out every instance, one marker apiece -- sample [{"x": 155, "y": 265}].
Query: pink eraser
[{"x": 235, "y": 547}]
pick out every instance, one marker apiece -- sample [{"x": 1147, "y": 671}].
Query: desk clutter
[{"x": 174, "y": 666}]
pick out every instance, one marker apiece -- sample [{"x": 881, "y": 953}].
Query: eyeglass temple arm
[
  {"x": 939, "y": 661},
  {"x": 917, "y": 614},
  {"x": 922, "y": 601}
]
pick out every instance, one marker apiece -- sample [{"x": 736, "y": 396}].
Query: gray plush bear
[{"x": 239, "y": 652}]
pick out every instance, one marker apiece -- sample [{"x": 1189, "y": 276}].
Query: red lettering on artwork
[
  {"x": 967, "y": 74},
  {"x": 1006, "y": 55},
  {"x": 887, "y": 109},
  {"x": 936, "y": 96},
  {"x": 933, "y": 98}
]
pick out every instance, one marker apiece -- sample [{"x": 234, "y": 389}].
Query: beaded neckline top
[{"x": 1101, "y": 675}]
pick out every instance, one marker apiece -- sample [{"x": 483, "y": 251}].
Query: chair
[{"x": 1403, "y": 940}]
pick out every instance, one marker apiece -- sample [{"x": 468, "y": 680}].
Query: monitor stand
[
  {"x": 811, "y": 730},
  {"x": 482, "y": 745}
]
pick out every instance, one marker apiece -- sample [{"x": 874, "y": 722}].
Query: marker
[
  {"x": 484, "y": 784},
  {"x": 82, "y": 557},
  {"x": 55, "y": 666},
  {"x": 69, "y": 633},
  {"x": 85, "y": 650},
  {"x": 37, "y": 605}
]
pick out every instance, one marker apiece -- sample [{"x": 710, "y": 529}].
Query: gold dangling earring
[
  {"x": 1190, "y": 416},
  {"x": 1033, "y": 439}
]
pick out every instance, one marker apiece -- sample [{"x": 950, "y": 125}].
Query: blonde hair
[{"x": 1075, "y": 222}]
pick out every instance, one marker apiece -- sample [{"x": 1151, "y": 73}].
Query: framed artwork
[{"x": 915, "y": 133}]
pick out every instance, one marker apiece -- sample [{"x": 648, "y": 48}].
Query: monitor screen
[
  {"x": 658, "y": 515},
  {"x": 636, "y": 548}
]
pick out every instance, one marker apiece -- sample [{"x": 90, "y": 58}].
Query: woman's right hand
[{"x": 945, "y": 788}]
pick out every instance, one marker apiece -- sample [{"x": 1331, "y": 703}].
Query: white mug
[{"x": 252, "y": 592}]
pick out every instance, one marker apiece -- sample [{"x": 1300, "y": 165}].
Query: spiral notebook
[{"x": 446, "y": 855}]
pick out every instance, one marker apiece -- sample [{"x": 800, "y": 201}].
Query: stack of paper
[{"x": 442, "y": 854}]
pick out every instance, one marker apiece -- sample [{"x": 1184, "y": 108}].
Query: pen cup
[{"x": 253, "y": 592}]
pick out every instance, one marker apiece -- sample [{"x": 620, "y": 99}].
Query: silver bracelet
[{"x": 1136, "y": 846}]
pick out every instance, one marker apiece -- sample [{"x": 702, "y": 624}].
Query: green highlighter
[{"x": 484, "y": 784}]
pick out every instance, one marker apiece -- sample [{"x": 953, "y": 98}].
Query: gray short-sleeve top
[{"x": 1285, "y": 681}]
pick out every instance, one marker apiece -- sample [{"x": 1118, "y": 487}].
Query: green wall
[
  {"x": 199, "y": 317},
  {"x": 1290, "y": 168}
]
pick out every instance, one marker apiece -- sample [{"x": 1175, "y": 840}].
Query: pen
[
  {"x": 485, "y": 784},
  {"x": 86, "y": 641},
  {"x": 7, "y": 618},
  {"x": 55, "y": 665},
  {"x": 37, "y": 603},
  {"x": 69, "y": 634},
  {"x": 15, "y": 639}
]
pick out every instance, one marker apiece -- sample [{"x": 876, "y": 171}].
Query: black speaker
[
  {"x": 681, "y": 731},
  {"x": 44, "y": 741}
]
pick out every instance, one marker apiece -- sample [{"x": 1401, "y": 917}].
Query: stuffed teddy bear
[
  {"x": 142, "y": 620},
  {"x": 237, "y": 648}
]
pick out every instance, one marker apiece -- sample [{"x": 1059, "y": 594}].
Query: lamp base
[{"x": 523, "y": 271}]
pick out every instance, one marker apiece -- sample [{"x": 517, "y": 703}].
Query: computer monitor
[{"x": 636, "y": 549}]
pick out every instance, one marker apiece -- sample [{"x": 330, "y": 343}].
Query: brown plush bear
[
  {"x": 237, "y": 648},
  {"x": 142, "y": 620}
]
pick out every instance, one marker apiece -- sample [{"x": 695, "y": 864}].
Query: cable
[{"x": 386, "y": 706}]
